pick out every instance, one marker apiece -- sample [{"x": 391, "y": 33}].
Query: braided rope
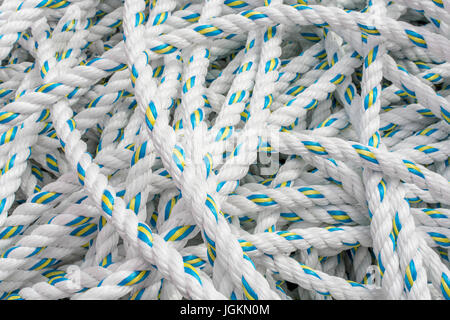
[{"x": 224, "y": 149}]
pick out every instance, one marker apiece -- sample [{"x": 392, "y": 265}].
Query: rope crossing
[{"x": 224, "y": 149}]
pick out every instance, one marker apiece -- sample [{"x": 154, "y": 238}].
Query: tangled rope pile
[{"x": 224, "y": 149}]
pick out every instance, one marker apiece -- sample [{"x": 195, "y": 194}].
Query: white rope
[{"x": 224, "y": 149}]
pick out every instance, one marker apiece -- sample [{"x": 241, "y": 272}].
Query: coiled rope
[{"x": 224, "y": 149}]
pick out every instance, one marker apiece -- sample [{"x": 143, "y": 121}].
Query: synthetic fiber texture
[{"x": 224, "y": 149}]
